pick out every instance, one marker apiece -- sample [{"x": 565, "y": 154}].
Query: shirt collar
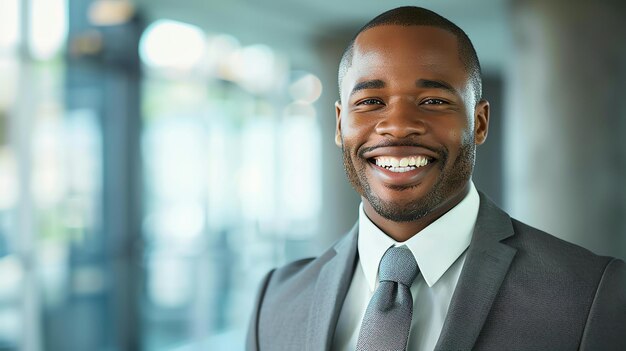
[{"x": 435, "y": 248}]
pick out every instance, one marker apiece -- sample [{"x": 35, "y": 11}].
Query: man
[{"x": 432, "y": 263}]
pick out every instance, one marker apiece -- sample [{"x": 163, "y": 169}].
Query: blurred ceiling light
[
  {"x": 171, "y": 44},
  {"x": 110, "y": 12},
  {"x": 307, "y": 88},
  {"x": 220, "y": 51},
  {"x": 49, "y": 25},
  {"x": 256, "y": 68},
  {"x": 9, "y": 24}
]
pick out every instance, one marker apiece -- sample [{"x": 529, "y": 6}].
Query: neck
[{"x": 403, "y": 231}]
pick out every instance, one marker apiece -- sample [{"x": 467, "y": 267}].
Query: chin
[{"x": 403, "y": 210}]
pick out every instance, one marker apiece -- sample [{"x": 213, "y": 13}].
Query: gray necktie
[{"x": 388, "y": 316}]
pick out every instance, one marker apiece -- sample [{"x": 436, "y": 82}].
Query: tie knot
[{"x": 398, "y": 265}]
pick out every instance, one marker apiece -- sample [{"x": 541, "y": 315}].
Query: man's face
[{"x": 407, "y": 123}]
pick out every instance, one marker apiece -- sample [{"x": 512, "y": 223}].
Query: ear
[
  {"x": 338, "y": 127},
  {"x": 481, "y": 121}
]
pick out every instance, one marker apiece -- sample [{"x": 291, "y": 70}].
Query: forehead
[
  {"x": 394, "y": 37},
  {"x": 413, "y": 52}
]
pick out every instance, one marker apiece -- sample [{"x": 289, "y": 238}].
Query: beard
[{"x": 448, "y": 183}]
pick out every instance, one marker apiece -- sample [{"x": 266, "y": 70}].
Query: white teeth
[
  {"x": 404, "y": 164},
  {"x": 401, "y": 169}
]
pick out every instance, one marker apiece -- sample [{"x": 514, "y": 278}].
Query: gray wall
[{"x": 565, "y": 150}]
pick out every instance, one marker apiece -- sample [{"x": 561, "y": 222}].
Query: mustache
[{"x": 441, "y": 152}]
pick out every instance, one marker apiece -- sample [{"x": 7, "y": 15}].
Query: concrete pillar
[{"x": 565, "y": 160}]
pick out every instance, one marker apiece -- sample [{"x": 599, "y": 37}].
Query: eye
[
  {"x": 370, "y": 102},
  {"x": 434, "y": 101}
]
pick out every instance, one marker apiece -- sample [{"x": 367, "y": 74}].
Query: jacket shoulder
[
  {"x": 297, "y": 273},
  {"x": 546, "y": 298},
  {"x": 303, "y": 273},
  {"x": 606, "y": 323},
  {"x": 290, "y": 270},
  {"x": 279, "y": 305},
  {"x": 548, "y": 251}
]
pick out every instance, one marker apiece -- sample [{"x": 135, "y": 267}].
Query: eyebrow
[
  {"x": 420, "y": 83},
  {"x": 367, "y": 84},
  {"x": 436, "y": 84}
]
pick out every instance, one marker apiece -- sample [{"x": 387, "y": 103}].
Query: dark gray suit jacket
[{"x": 520, "y": 289}]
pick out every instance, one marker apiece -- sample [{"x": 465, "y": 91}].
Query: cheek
[
  {"x": 461, "y": 137},
  {"x": 354, "y": 134},
  {"x": 351, "y": 126},
  {"x": 455, "y": 135}
]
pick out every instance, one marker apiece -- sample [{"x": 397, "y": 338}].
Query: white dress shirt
[{"x": 439, "y": 250}]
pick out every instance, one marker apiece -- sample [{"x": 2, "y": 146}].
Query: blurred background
[{"x": 157, "y": 157}]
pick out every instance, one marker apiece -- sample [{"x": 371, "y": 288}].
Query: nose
[{"x": 401, "y": 121}]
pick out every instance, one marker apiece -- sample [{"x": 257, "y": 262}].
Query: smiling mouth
[{"x": 401, "y": 164}]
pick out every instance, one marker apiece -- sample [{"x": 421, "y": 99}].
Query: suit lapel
[
  {"x": 330, "y": 291},
  {"x": 486, "y": 264}
]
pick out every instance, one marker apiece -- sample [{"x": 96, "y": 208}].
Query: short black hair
[{"x": 418, "y": 16}]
